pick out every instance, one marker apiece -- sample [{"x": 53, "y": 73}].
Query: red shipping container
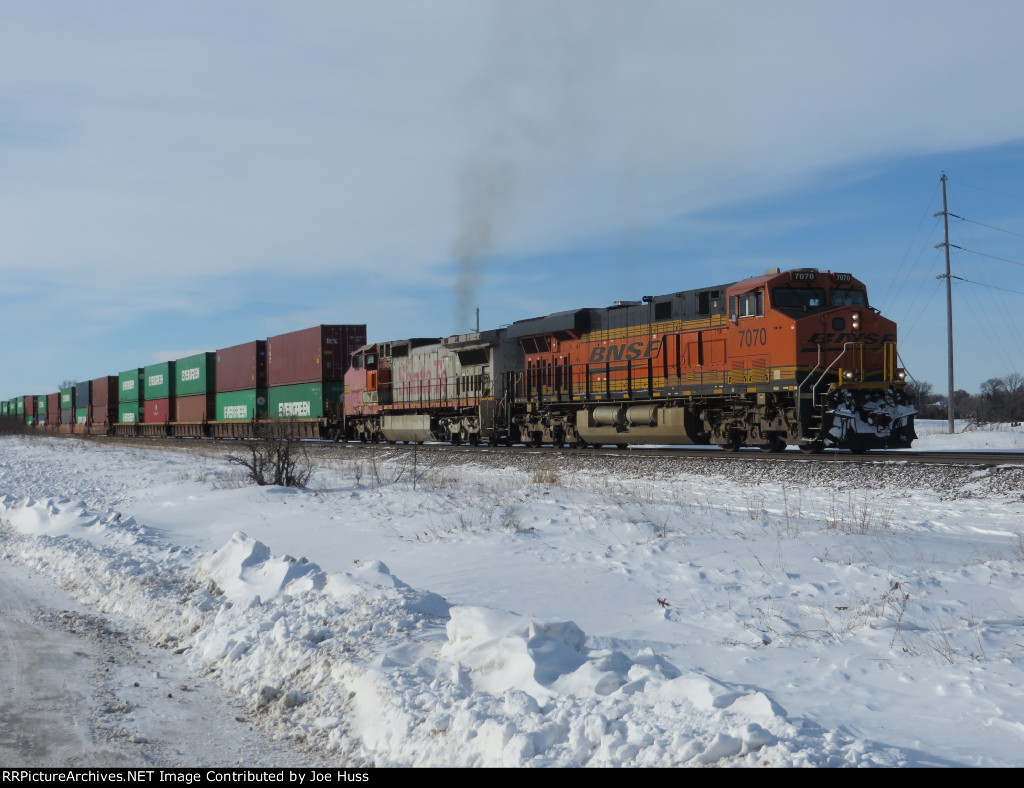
[
  {"x": 53, "y": 409},
  {"x": 318, "y": 354},
  {"x": 103, "y": 414},
  {"x": 242, "y": 367},
  {"x": 197, "y": 408},
  {"x": 105, "y": 390},
  {"x": 158, "y": 411}
]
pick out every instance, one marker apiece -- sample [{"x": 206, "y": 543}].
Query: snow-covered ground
[{"x": 406, "y": 610}]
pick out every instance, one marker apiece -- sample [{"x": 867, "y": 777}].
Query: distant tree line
[{"x": 1000, "y": 400}]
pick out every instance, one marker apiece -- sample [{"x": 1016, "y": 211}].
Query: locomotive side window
[
  {"x": 751, "y": 304},
  {"x": 844, "y": 297}
]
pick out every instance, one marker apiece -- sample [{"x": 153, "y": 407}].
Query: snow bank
[{"x": 363, "y": 665}]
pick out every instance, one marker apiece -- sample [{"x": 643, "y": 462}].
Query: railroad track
[{"x": 682, "y": 453}]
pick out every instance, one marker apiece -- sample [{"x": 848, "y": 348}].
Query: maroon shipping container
[
  {"x": 105, "y": 391},
  {"x": 105, "y": 414},
  {"x": 53, "y": 409},
  {"x": 199, "y": 407},
  {"x": 158, "y": 411},
  {"x": 312, "y": 355},
  {"x": 242, "y": 367}
]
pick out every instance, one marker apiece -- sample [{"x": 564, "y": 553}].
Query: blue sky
[{"x": 178, "y": 177}]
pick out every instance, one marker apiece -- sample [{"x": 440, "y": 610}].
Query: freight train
[{"x": 789, "y": 358}]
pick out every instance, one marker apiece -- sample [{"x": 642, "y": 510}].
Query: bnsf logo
[
  {"x": 836, "y": 340},
  {"x": 293, "y": 409},
  {"x": 236, "y": 411},
  {"x": 190, "y": 374},
  {"x": 128, "y": 385},
  {"x": 156, "y": 380},
  {"x": 625, "y": 351}
]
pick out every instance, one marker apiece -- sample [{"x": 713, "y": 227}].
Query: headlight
[
  {"x": 855, "y": 320},
  {"x": 848, "y": 375}
]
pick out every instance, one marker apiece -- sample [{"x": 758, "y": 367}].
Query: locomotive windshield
[
  {"x": 805, "y": 298},
  {"x": 844, "y": 297}
]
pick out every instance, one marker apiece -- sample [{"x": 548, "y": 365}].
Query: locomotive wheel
[
  {"x": 774, "y": 445},
  {"x": 731, "y": 446},
  {"x": 816, "y": 447},
  {"x": 474, "y": 439},
  {"x": 455, "y": 439},
  {"x": 536, "y": 438}
]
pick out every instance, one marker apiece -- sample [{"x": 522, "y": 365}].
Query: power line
[
  {"x": 972, "y": 251},
  {"x": 990, "y": 191},
  {"x": 982, "y": 284},
  {"x": 989, "y": 226}
]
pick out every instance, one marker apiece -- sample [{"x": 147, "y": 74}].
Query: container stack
[
  {"x": 83, "y": 403},
  {"x": 241, "y": 382},
  {"x": 196, "y": 388},
  {"x": 67, "y": 409},
  {"x": 27, "y": 409},
  {"x": 103, "y": 411},
  {"x": 158, "y": 393},
  {"x": 306, "y": 370},
  {"x": 41, "y": 409},
  {"x": 130, "y": 396},
  {"x": 53, "y": 410}
]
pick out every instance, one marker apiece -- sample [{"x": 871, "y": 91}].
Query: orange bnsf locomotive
[{"x": 788, "y": 358}]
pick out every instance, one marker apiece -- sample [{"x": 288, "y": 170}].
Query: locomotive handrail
[
  {"x": 835, "y": 361},
  {"x": 821, "y": 378}
]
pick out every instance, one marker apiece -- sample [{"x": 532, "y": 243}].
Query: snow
[{"x": 407, "y": 610}]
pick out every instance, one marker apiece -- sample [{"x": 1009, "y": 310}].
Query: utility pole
[{"x": 949, "y": 305}]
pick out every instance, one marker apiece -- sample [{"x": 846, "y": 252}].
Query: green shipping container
[
  {"x": 305, "y": 400},
  {"x": 41, "y": 408},
  {"x": 196, "y": 375},
  {"x": 81, "y": 415},
  {"x": 129, "y": 413},
  {"x": 242, "y": 405},
  {"x": 159, "y": 381},
  {"x": 20, "y": 406},
  {"x": 4, "y": 408},
  {"x": 67, "y": 398},
  {"x": 129, "y": 385}
]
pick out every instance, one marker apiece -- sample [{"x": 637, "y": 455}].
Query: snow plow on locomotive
[{"x": 787, "y": 358}]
